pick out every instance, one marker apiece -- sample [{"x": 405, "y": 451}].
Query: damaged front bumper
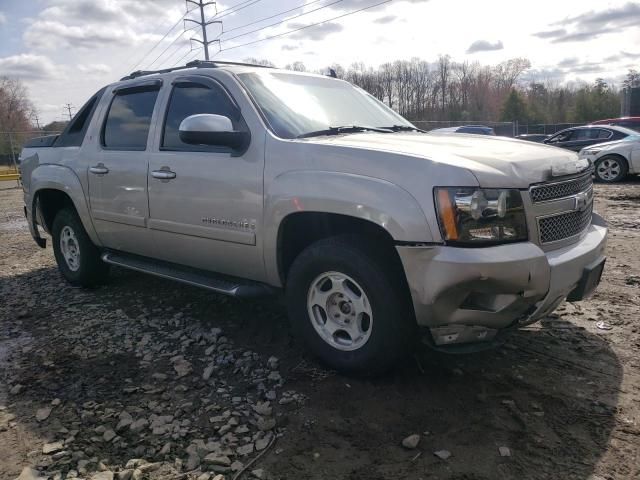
[{"x": 467, "y": 295}]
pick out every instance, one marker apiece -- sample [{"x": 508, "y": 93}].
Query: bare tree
[
  {"x": 15, "y": 113},
  {"x": 444, "y": 71}
]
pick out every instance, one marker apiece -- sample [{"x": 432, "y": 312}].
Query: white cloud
[
  {"x": 3, "y": 19},
  {"x": 91, "y": 43},
  {"x": 94, "y": 68},
  {"x": 484, "y": 46},
  {"x": 28, "y": 67},
  {"x": 52, "y": 35}
]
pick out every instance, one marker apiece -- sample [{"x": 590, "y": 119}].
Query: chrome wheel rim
[
  {"x": 70, "y": 248},
  {"x": 340, "y": 311},
  {"x": 608, "y": 169}
]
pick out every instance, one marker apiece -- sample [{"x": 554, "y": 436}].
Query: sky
[{"x": 65, "y": 50}]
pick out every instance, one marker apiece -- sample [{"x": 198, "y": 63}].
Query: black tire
[
  {"x": 89, "y": 269},
  {"x": 393, "y": 325},
  {"x": 607, "y": 161}
]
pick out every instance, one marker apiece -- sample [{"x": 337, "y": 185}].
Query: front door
[
  {"x": 205, "y": 201},
  {"x": 118, "y": 177}
]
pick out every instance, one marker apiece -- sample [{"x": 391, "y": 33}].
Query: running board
[{"x": 218, "y": 283}]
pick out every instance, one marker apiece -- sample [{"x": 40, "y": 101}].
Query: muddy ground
[{"x": 144, "y": 378}]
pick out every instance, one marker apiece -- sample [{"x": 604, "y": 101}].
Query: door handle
[
  {"x": 163, "y": 174},
  {"x": 99, "y": 169}
]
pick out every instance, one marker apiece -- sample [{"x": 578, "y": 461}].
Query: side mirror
[{"x": 210, "y": 129}]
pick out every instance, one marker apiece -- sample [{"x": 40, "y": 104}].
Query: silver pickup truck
[{"x": 249, "y": 181}]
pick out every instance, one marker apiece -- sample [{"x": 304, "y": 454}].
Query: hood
[{"x": 495, "y": 161}]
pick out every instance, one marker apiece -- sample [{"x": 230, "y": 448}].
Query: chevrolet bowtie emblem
[{"x": 582, "y": 199}]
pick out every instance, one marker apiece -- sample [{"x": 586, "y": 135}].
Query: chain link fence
[
  {"x": 544, "y": 128},
  {"x": 504, "y": 129}
]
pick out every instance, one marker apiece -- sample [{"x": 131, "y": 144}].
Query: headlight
[{"x": 476, "y": 216}]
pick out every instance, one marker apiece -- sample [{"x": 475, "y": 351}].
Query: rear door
[
  {"x": 206, "y": 215},
  {"x": 118, "y": 178}
]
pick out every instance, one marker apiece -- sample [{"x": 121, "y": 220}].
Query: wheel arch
[
  {"x": 305, "y": 206},
  {"x": 55, "y": 187}
]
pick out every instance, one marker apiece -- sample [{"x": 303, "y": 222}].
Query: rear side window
[
  {"x": 190, "y": 99},
  {"x": 128, "y": 120},
  {"x": 75, "y": 132},
  {"x": 604, "y": 134}
]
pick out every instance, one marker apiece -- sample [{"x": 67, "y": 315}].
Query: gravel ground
[{"x": 144, "y": 378}]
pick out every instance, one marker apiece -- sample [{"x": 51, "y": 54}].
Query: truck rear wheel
[
  {"x": 77, "y": 257},
  {"x": 344, "y": 301}
]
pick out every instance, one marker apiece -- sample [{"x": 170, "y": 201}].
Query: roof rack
[{"x": 192, "y": 64}]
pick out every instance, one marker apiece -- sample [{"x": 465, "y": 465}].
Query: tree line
[{"x": 447, "y": 90}]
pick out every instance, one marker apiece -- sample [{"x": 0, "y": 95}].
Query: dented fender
[{"x": 378, "y": 201}]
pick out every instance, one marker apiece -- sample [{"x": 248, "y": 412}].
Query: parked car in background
[
  {"x": 475, "y": 129},
  {"x": 614, "y": 160},
  {"x": 629, "y": 122},
  {"x": 577, "y": 138},
  {"x": 533, "y": 137}
]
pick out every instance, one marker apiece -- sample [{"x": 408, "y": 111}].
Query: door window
[
  {"x": 191, "y": 99},
  {"x": 604, "y": 134},
  {"x": 584, "y": 134},
  {"x": 562, "y": 137},
  {"x": 128, "y": 120},
  {"x": 74, "y": 134}
]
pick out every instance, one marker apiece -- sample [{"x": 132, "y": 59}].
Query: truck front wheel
[
  {"x": 77, "y": 257},
  {"x": 344, "y": 300}
]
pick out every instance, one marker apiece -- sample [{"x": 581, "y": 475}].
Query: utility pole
[
  {"x": 35, "y": 115},
  {"x": 203, "y": 25},
  {"x": 68, "y": 106}
]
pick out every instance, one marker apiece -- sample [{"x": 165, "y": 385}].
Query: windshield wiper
[
  {"x": 404, "y": 128},
  {"x": 344, "y": 129}
]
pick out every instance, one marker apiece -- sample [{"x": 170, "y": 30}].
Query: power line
[
  {"x": 168, "y": 62},
  {"x": 234, "y": 10},
  {"x": 68, "y": 107},
  {"x": 272, "y": 16},
  {"x": 182, "y": 33},
  {"x": 234, "y": 6},
  {"x": 167, "y": 48},
  {"x": 179, "y": 61},
  {"x": 203, "y": 25},
  {"x": 306, "y": 26},
  {"x": 282, "y": 21},
  {"x": 159, "y": 41},
  {"x": 229, "y": 11}
]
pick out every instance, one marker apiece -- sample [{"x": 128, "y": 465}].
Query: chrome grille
[
  {"x": 564, "y": 225},
  {"x": 552, "y": 191}
]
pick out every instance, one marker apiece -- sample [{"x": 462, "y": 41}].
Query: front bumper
[{"x": 469, "y": 294}]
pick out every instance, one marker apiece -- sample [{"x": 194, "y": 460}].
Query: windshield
[{"x": 295, "y": 105}]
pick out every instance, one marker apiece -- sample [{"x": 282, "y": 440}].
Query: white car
[{"x": 614, "y": 160}]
